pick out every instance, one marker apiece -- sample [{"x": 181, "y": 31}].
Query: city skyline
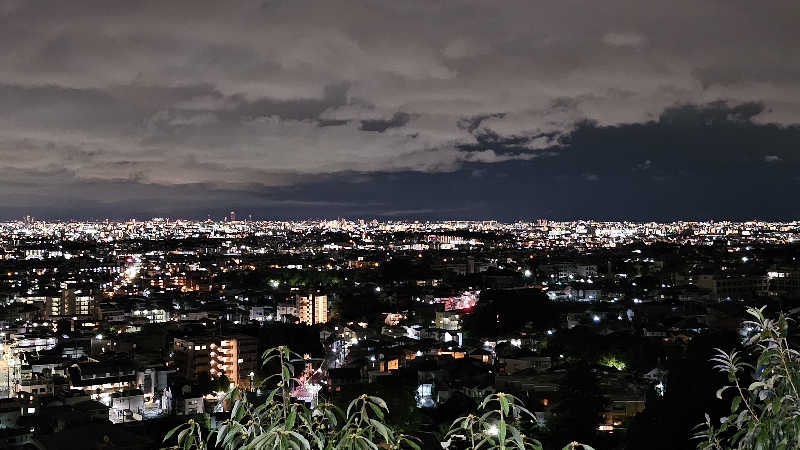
[
  {"x": 415, "y": 224},
  {"x": 414, "y": 110}
]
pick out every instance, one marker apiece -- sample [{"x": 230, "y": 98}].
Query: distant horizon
[{"x": 224, "y": 219}]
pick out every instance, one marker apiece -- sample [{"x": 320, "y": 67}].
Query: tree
[
  {"x": 204, "y": 383},
  {"x": 579, "y": 409},
  {"x": 358, "y": 305},
  {"x": 668, "y": 422},
  {"x": 765, "y": 406},
  {"x": 500, "y": 312}
]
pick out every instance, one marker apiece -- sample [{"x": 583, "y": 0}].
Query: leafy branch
[{"x": 766, "y": 414}]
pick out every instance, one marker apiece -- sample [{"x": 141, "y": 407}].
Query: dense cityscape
[
  {"x": 121, "y": 329},
  {"x": 399, "y": 225}
]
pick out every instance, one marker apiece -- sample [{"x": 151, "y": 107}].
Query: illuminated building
[
  {"x": 312, "y": 309},
  {"x": 71, "y": 303},
  {"x": 102, "y": 377},
  {"x": 191, "y": 356},
  {"x": 235, "y": 357},
  {"x": 152, "y": 315},
  {"x": 466, "y": 301},
  {"x": 733, "y": 287},
  {"x": 448, "y": 320}
]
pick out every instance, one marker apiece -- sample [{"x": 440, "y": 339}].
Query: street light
[{"x": 251, "y": 379}]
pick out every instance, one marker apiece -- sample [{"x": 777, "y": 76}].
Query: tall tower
[{"x": 233, "y": 216}]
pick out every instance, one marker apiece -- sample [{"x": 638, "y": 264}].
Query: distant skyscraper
[
  {"x": 233, "y": 216},
  {"x": 312, "y": 309}
]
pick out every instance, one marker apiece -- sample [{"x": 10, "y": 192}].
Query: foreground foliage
[
  {"x": 765, "y": 407},
  {"x": 279, "y": 423},
  {"x": 497, "y": 426}
]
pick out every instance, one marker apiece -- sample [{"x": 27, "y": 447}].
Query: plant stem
[
  {"x": 786, "y": 367},
  {"x": 744, "y": 399}
]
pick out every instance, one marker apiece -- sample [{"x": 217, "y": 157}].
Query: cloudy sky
[{"x": 400, "y": 109}]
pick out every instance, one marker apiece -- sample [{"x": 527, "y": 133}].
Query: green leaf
[
  {"x": 517, "y": 437},
  {"x": 189, "y": 441},
  {"x": 378, "y": 412},
  {"x": 503, "y": 404},
  {"x": 182, "y": 436},
  {"x": 301, "y": 439},
  {"x": 221, "y": 433},
  {"x": 721, "y": 390},
  {"x": 412, "y": 444},
  {"x": 286, "y": 375},
  {"x": 350, "y": 407},
  {"x": 382, "y": 430},
  {"x": 172, "y": 431},
  {"x": 735, "y": 404},
  {"x": 232, "y": 434},
  {"x": 331, "y": 417},
  {"x": 238, "y": 411},
  {"x": 378, "y": 401}
]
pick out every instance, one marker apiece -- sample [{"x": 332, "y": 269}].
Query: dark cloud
[
  {"x": 399, "y": 119},
  {"x": 293, "y": 109},
  {"x": 698, "y": 169},
  {"x": 206, "y": 103},
  {"x": 714, "y": 112}
]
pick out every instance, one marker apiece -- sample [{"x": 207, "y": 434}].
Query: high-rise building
[
  {"x": 312, "y": 308},
  {"x": 71, "y": 303},
  {"x": 191, "y": 355},
  {"x": 234, "y": 356}
]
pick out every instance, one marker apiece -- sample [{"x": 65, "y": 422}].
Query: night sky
[{"x": 400, "y": 109}]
